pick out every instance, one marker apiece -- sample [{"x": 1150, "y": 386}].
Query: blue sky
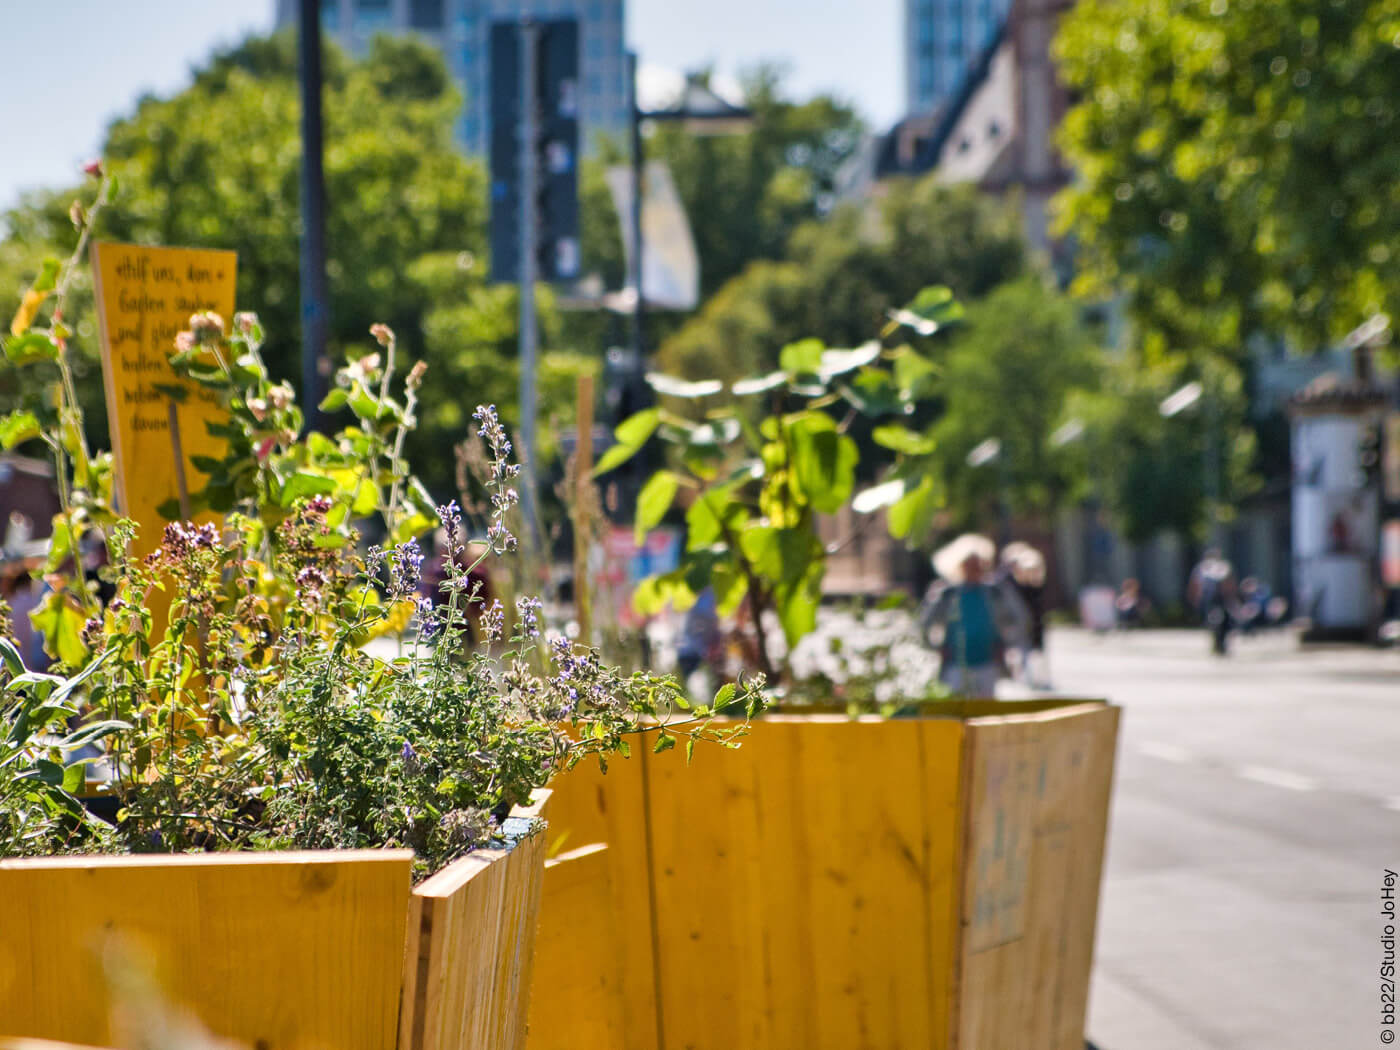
[{"x": 71, "y": 66}]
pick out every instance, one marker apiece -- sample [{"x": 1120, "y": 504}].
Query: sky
[{"x": 72, "y": 66}]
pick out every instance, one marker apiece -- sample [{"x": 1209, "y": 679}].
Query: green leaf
[
  {"x": 30, "y": 347},
  {"x": 689, "y": 749},
  {"x": 303, "y": 485},
  {"x": 93, "y": 731},
  {"x": 634, "y": 430},
  {"x": 363, "y": 403},
  {"x": 824, "y": 461},
  {"x": 671, "y": 386},
  {"x": 47, "y": 279},
  {"x": 18, "y": 427},
  {"x": 631, "y": 434},
  {"x": 49, "y": 772},
  {"x": 802, "y": 358},
  {"x": 878, "y": 496},
  {"x": 60, "y": 621},
  {"x": 724, "y": 695},
  {"x": 335, "y": 400},
  {"x": 664, "y": 742},
  {"x": 912, "y": 509},
  {"x": 902, "y": 439},
  {"x": 74, "y": 778},
  {"x": 839, "y": 362},
  {"x": 9, "y": 655},
  {"x": 654, "y": 501},
  {"x": 759, "y": 384}
]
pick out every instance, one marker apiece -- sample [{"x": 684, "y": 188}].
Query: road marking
[
  {"x": 1280, "y": 778},
  {"x": 1166, "y": 752}
]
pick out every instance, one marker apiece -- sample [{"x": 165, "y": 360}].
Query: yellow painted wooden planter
[
  {"x": 844, "y": 884},
  {"x": 278, "y": 951}
]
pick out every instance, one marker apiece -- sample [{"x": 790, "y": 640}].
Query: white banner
[{"x": 670, "y": 267}]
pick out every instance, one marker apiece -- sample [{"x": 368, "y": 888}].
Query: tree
[
  {"x": 218, "y": 166},
  {"x": 1236, "y": 164},
  {"x": 1008, "y": 374},
  {"x": 753, "y": 189},
  {"x": 840, "y": 276}
]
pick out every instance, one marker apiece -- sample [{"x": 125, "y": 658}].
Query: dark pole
[
  {"x": 639, "y": 308},
  {"x": 315, "y": 312}
]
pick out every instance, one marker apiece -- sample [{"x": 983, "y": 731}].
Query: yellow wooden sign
[{"x": 145, "y": 296}]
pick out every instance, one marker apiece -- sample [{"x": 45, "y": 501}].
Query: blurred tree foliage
[
  {"x": 1009, "y": 372},
  {"x": 1236, "y": 163},
  {"x": 218, "y": 166},
  {"x": 839, "y": 276}
]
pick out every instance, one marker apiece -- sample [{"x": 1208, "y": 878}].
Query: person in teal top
[{"x": 979, "y": 621}]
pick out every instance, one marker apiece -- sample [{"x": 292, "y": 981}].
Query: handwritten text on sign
[{"x": 145, "y": 296}]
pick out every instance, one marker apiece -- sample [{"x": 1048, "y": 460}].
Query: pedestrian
[
  {"x": 1024, "y": 572},
  {"x": 1211, "y": 589},
  {"x": 1131, "y": 604},
  {"x": 979, "y": 620}
]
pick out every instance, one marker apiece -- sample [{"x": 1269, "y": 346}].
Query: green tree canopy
[
  {"x": 1236, "y": 163},
  {"x": 218, "y": 166},
  {"x": 841, "y": 275}
]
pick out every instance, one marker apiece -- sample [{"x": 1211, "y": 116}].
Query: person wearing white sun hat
[{"x": 979, "y": 620}]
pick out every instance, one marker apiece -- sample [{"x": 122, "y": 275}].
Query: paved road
[{"x": 1256, "y": 808}]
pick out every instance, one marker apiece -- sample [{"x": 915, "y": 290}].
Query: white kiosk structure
[{"x": 1335, "y": 511}]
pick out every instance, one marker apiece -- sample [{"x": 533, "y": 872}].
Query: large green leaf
[
  {"x": 759, "y": 384},
  {"x": 839, "y": 362},
  {"x": 672, "y": 386},
  {"x": 824, "y": 461},
  {"x": 902, "y": 439},
  {"x": 30, "y": 347},
  {"x": 802, "y": 358},
  {"x": 911, "y": 513},
  {"x": 655, "y": 500},
  {"x": 631, "y": 434},
  {"x": 18, "y": 427}
]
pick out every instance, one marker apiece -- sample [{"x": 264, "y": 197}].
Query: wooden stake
[{"x": 180, "y": 481}]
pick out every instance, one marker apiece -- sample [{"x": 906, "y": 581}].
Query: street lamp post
[
  {"x": 701, "y": 112},
  {"x": 1174, "y": 404}
]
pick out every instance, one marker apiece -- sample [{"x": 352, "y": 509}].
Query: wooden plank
[
  {"x": 470, "y": 945},
  {"x": 589, "y": 806},
  {"x": 1036, "y": 821},
  {"x": 283, "y": 951},
  {"x": 944, "y": 797},
  {"x": 807, "y": 870},
  {"x": 576, "y": 1000}
]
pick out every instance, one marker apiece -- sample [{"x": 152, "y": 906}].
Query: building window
[
  {"x": 425, "y": 14},
  {"x": 371, "y": 15}
]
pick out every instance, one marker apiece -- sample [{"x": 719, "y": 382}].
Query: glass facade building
[
  {"x": 461, "y": 30},
  {"x": 942, "y": 41}
]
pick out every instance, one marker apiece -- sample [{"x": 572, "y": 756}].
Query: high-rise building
[
  {"x": 943, "y": 40},
  {"x": 461, "y": 30}
]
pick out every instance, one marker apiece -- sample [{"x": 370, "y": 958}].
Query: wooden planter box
[
  {"x": 279, "y": 951},
  {"x": 874, "y": 883}
]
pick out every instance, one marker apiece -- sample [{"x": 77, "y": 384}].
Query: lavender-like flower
[
  {"x": 374, "y": 559},
  {"x": 529, "y": 611},
  {"x": 451, "y": 517},
  {"x": 405, "y": 569},
  {"x": 493, "y": 622}
]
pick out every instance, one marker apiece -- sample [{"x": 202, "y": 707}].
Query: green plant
[
  {"x": 246, "y": 712},
  {"x": 755, "y": 488}
]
